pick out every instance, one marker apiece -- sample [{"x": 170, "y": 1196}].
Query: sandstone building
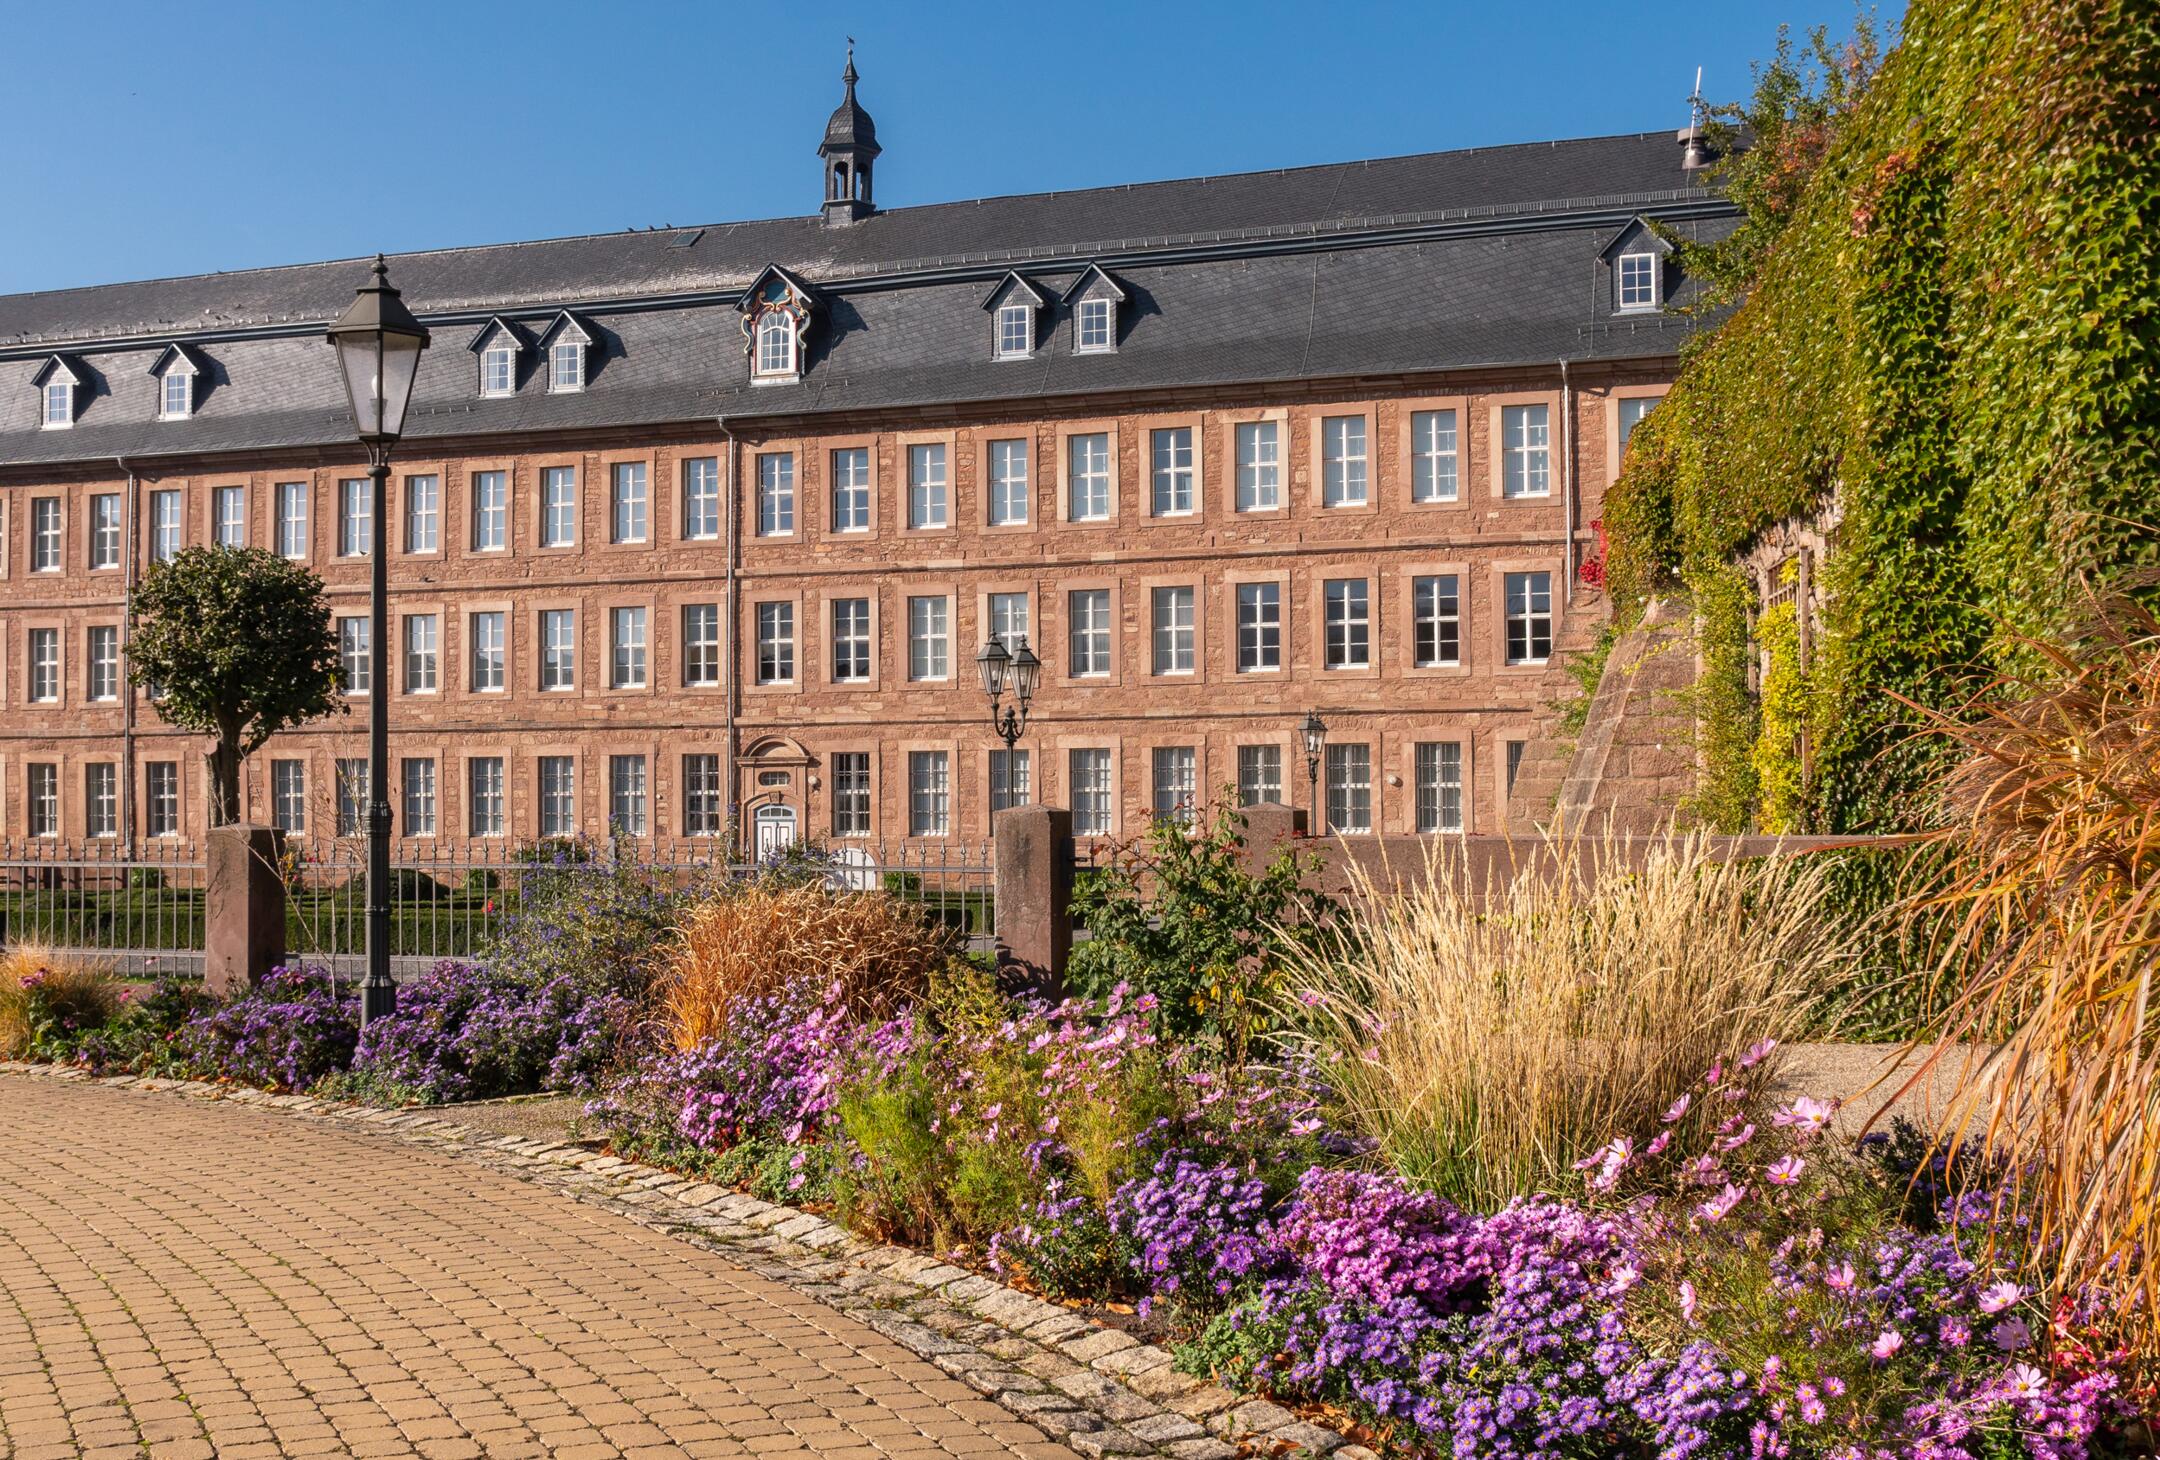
[{"x": 703, "y": 527}]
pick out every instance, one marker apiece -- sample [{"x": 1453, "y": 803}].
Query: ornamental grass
[
  {"x": 761, "y": 939},
  {"x": 2052, "y": 817},
  {"x": 1487, "y": 1037},
  {"x": 45, "y": 990}
]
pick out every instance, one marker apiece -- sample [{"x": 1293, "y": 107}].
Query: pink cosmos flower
[
  {"x": 1999, "y": 1297},
  {"x": 1839, "y": 1279},
  {"x": 1784, "y": 1172},
  {"x": 1715, "y": 1073},
  {"x": 1757, "y": 1053},
  {"x": 1704, "y": 1171},
  {"x": 1738, "y": 1138},
  {"x": 2011, "y": 1334},
  {"x": 1886, "y": 1345},
  {"x": 1677, "y": 1109},
  {"x": 1716, "y": 1207},
  {"x": 1687, "y": 1302},
  {"x": 1806, "y": 1114},
  {"x": 1658, "y": 1144}
]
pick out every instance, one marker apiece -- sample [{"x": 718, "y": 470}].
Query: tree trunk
[{"x": 224, "y": 763}]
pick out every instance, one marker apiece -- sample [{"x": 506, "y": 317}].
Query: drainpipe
[
  {"x": 127, "y": 636},
  {"x": 1567, "y": 484},
  {"x": 732, "y": 680}
]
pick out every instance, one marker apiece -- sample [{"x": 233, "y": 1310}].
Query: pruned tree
[{"x": 236, "y": 644}]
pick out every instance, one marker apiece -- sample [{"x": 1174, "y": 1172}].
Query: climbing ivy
[
  {"x": 1956, "y": 332},
  {"x": 1780, "y": 778}
]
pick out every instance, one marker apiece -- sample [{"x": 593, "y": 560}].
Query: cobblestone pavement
[{"x": 185, "y": 1278}]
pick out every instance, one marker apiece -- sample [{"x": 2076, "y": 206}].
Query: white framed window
[
  {"x": 1009, "y": 619},
  {"x": 352, "y": 795},
  {"x": 928, "y": 498},
  {"x": 1259, "y": 774},
  {"x": 1436, "y": 621},
  {"x": 776, "y": 643},
  {"x": 353, "y": 655},
  {"x": 566, "y": 366},
  {"x": 161, "y": 798},
  {"x": 626, "y": 648},
  {"x": 1432, "y": 457},
  {"x": 416, "y": 776},
  {"x": 423, "y": 514},
  {"x": 1349, "y": 624},
  {"x": 1008, "y": 483},
  {"x": 630, "y": 507},
  {"x": 558, "y": 795},
  {"x": 288, "y": 796},
  {"x": 45, "y": 535},
  {"x": 1094, "y": 791},
  {"x": 1633, "y": 409},
  {"x": 558, "y": 648},
  {"x": 422, "y": 649},
  {"x": 356, "y": 517},
  {"x": 704, "y": 796},
  {"x": 1259, "y": 627},
  {"x": 101, "y": 663},
  {"x": 498, "y": 369},
  {"x": 228, "y": 517},
  {"x": 486, "y": 815},
  {"x": 101, "y": 799},
  {"x": 490, "y": 651},
  {"x": 1173, "y": 613},
  {"x": 105, "y": 526},
  {"x": 776, "y": 495},
  {"x": 1343, "y": 462},
  {"x": 1259, "y": 466},
  {"x": 41, "y": 790},
  {"x": 929, "y": 638},
  {"x": 1095, "y": 326},
  {"x": 1526, "y": 437},
  {"x": 1171, "y": 454},
  {"x": 292, "y": 519},
  {"x": 1009, "y": 774},
  {"x": 1088, "y": 615},
  {"x": 165, "y": 525},
  {"x": 851, "y": 640},
  {"x": 44, "y": 645},
  {"x": 176, "y": 394},
  {"x": 701, "y": 498},
  {"x": 628, "y": 798},
  {"x": 775, "y": 358},
  {"x": 1015, "y": 331},
  {"x": 701, "y": 644},
  {"x": 1635, "y": 278},
  {"x": 929, "y": 793},
  {"x": 851, "y": 489},
  {"x": 1087, "y": 477},
  {"x": 558, "y": 506},
  {"x": 1438, "y": 772},
  {"x": 58, "y": 404},
  {"x": 851, "y": 793},
  {"x": 1349, "y": 788},
  {"x": 491, "y": 511},
  {"x": 1177, "y": 783},
  {"x": 1529, "y": 617}
]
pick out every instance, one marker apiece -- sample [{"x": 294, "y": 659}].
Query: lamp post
[
  {"x": 1315, "y": 732},
  {"x": 378, "y": 344},
  {"x": 1016, "y": 670}
]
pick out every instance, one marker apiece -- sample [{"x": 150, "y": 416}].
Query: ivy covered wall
[{"x": 1959, "y": 332}]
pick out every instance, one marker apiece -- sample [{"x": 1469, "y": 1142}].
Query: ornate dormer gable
[
  {"x": 499, "y": 345},
  {"x": 1638, "y": 269},
  {"x": 1094, "y": 301},
  {"x": 566, "y": 344},
  {"x": 176, "y": 370},
  {"x": 59, "y": 383},
  {"x": 1014, "y": 305},
  {"x": 776, "y": 311}
]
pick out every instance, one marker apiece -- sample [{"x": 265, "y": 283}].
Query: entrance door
[{"x": 775, "y": 829}]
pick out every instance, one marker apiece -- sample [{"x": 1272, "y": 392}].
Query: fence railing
[{"x": 142, "y": 908}]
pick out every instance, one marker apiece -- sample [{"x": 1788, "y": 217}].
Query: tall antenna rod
[{"x": 1696, "y": 157}]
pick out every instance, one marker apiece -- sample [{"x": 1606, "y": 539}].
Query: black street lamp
[
  {"x": 1016, "y": 670},
  {"x": 378, "y": 345},
  {"x": 1315, "y": 732}
]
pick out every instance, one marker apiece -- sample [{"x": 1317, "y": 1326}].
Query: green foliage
[
  {"x": 1725, "y": 714},
  {"x": 1956, "y": 336},
  {"x": 239, "y": 643},
  {"x": 604, "y": 922},
  {"x": 1585, "y": 669},
  {"x": 1780, "y": 777},
  {"x": 896, "y": 1185},
  {"x": 1181, "y": 916}
]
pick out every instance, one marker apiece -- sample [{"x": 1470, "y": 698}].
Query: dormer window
[
  {"x": 59, "y": 403},
  {"x": 566, "y": 366},
  {"x": 1015, "y": 331},
  {"x": 776, "y": 344},
  {"x": 176, "y": 397},
  {"x": 1093, "y": 328},
  {"x": 498, "y": 370},
  {"x": 776, "y": 312},
  {"x": 1635, "y": 278}
]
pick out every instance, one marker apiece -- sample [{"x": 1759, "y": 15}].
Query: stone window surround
[
  {"x": 1060, "y": 470},
  {"x": 1403, "y": 454},
  {"x": 1402, "y": 647},
  {"x": 1316, "y": 418}
]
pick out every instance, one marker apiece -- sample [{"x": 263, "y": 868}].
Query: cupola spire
[{"x": 849, "y": 149}]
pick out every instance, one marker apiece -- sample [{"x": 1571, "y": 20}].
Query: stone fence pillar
[
  {"x": 244, "y": 907},
  {"x": 1034, "y": 893}
]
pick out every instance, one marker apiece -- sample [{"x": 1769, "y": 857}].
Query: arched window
[{"x": 776, "y": 343}]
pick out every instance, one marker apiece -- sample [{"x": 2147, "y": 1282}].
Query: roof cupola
[{"x": 849, "y": 148}]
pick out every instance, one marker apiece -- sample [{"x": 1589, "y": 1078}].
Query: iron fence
[{"x": 137, "y": 907}]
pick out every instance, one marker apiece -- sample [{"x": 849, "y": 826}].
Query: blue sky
[{"x": 158, "y": 139}]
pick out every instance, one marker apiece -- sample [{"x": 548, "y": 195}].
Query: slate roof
[{"x": 1443, "y": 261}]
